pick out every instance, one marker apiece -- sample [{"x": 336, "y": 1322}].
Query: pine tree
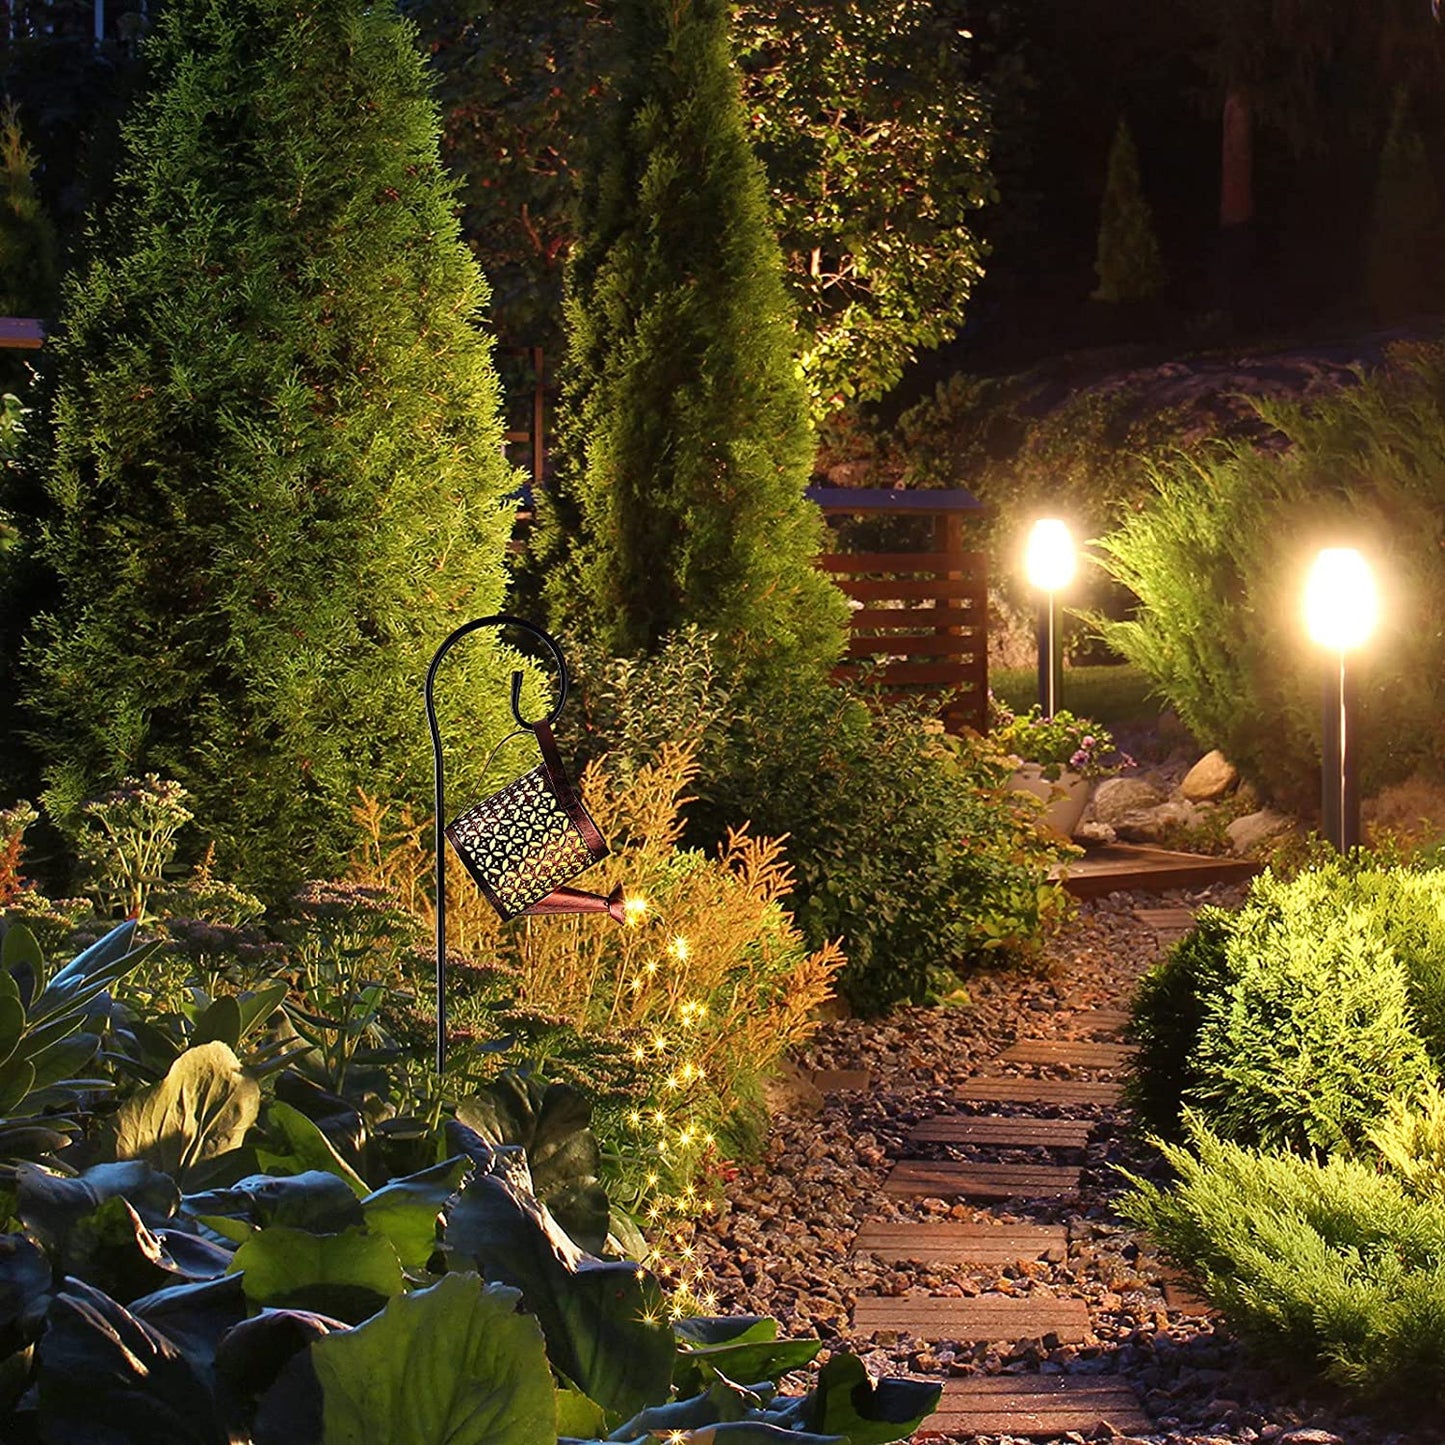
[
  {"x": 278, "y": 475},
  {"x": 1405, "y": 221},
  {"x": 29, "y": 267},
  {"x": 1128, "y": 263},
  {"x": 685, "y": 432}
]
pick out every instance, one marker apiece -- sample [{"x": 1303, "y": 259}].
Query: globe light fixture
[
  {"x": 1050, "y": 562},
  {"x": 1342, "y": 610}
]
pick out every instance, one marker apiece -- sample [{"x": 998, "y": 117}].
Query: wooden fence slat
[
  {"x": 913, "y": 587},
  {"x": 926, "y": 620},
  {"x": 942, "y": 562},
  {"x": 937, "y": 645},
  {"x": 935, "y": 674}
]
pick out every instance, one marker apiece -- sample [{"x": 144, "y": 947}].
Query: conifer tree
[
  {"x": 29, "y": 268},
  {"x": 1128, "y": 264},
  {"x": 278, "y": 475},
  {"x": 1405, "y": 221},
  {"x": 685, "y": 432}
]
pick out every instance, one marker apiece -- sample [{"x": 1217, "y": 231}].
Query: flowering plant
[{"x": 1056, "y": 743}]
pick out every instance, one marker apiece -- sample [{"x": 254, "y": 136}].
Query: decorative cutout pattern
[{"x": 521, "y": 843}]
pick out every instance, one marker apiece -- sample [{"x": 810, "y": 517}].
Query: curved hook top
[{"x": 502, "y": 619}]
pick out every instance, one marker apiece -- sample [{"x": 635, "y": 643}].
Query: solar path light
[
  {"x": 1342, "y": 608},
  {"x": 1050, "y": 563}
]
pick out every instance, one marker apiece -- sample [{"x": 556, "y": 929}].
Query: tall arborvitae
[
  {"x": 685, "y": 434},
  {"x": 1400, "y": 263},
  {"x": 1128, "y": 263},
  {"x": 278, "y": 475}
]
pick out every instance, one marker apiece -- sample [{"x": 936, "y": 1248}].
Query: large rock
[
  {"x": 1116, "y": 798},
  {"x": 1149, "y": 825},
  {"x": 1209, "y": 779},
  {"x": 1248, "y": 832}
]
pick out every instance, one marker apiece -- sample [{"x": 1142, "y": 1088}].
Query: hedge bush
[
  {"x": 1294, "y": 1021},
  {"x": 1217, "y": 557}
]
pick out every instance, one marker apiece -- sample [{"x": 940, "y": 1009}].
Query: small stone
[
  {"x": 1115, "y": 798},
  {"x": 1209, "y": 779},
  {"x": 1248, "y": 832},
  {"x": 1310, "y": 1436}
]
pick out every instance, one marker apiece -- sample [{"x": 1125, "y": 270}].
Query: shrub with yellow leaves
[{"x": 705, "y": 986}]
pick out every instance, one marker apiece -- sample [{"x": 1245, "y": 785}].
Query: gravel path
[{"x": 782, "y": 1242}]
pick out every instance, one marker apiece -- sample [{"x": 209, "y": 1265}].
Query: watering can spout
[{"x": 573, "y": 900}]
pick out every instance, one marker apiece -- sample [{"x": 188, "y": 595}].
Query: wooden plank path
[
  {"x": 1135, "y": 868},
  {"x": 1005, "y": 1133},
  {"x": 984, "y": 1318},
  {"x": 962, "y": 1243},
  {"x": 919, "y": 1178},
  {"x": 1036, "y": 1405},
  {"x": 1098, "y": 1021},
  {"x": 1005, "y": 1089},
  {"x": 1068, "y": 1053}
]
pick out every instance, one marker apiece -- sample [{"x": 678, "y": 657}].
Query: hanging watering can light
[{"x": 522, "y": 844}]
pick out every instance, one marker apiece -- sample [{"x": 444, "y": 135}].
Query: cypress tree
[
  {"x": 685, "y": 433},
  {"x": 1128, "y": 263},
  {"x": 278, "y": 475}
]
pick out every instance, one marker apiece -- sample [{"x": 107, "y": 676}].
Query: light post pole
[
  {"x": 1341, "y": 609},
  {"x": 1049, "y": 563}
]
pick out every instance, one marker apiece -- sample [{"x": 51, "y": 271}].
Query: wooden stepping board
[
  {"x": 832, "y": 1081},
  {"x": 1070, "y": 1053},
  {"x": 1099, "y": 1021},
  {"x": 1168, "y": 924},
  {"x": 1036, "y": 1405},
  {"x": 985, "y": 1318},
  {"x": 962, "y": 1243},
  {"x": 1136, "y": 868},
  {"x": 982, "y": 1181},
  {"x": 1001, "y": 1090},
  {"x": 1024, "y": 1133}
]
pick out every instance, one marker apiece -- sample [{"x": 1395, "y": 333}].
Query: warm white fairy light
[
  {"x": 634, "y": 909},
  {"x": 679, "y": 949}
]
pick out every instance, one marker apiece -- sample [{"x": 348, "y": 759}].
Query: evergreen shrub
[
  {"x": 277, "y": 478},
  {"x": 905, "y": 844},
  {"x": 1295, "y": 1020},
  {"x": 1217, "y": 557},
  {"x": 684, "y": 438},
  {"x": 1332, "y": 1269},
  {"x": 1128, "y": 264}
]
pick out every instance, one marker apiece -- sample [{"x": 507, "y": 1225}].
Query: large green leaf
[
  {"x": 24, "y": 1291},
  {"x": 552, "y": 1123},
  {"x": 112, "y": 1249},
  {"x": 349, "y": 1275},
  {"x": 307, "y": 1147},
  {"x": 743, "y": 1347},
  {"x": 51, "y": 1205},
  {"x": 314, "y": 1200},
  {"x": 604, "y": 1321},
  {"x": 201, "y": 1109},
  {"x": 108, "y": 1378},
  {"x": 195, "y": 1316},
  {"x": 846, "y": 1401},
  {"x": 407, "y": 1210},
  {"x": 454, "y": 1363}
]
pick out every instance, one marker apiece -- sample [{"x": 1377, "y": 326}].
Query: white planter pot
[{"x": 1065, "y": 798}]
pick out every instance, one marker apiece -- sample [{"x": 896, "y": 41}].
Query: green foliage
[
  {"x": 875, "y": 133},
  {"x": 29, "y": 261},
  {"x": 1217, "y": 558},
  {"x": 1128, "y": 264},
  {"x": 400, "y": 1379},
  {"x": 906, "y": 844},
  {"x": 1331, "y": 1268},
  {"x": 869, "y": 120},
  {"x": 1058, "y": 742},
  {"x": 1294, "y": 1021},
  {"x": 1411, "y": 1141},
  {"x": 277, "y": 477},
  {"x": 684, "y": 433},
  {"x": 1405, "y": 222}
]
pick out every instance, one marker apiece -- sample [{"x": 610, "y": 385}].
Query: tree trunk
[{"x": 1236, "y": 204}]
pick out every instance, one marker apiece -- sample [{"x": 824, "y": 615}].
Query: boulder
[
  {"x": 1149, "y": 825},
  {"x": 1248, "y": 832},
  {"x": 1209, "y": 779},
  {"x": 1092, "y": 832},
  {"x": 1116, "y": 798}
]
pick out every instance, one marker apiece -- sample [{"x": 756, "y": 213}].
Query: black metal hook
[{"x": 500, "y": 619}]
